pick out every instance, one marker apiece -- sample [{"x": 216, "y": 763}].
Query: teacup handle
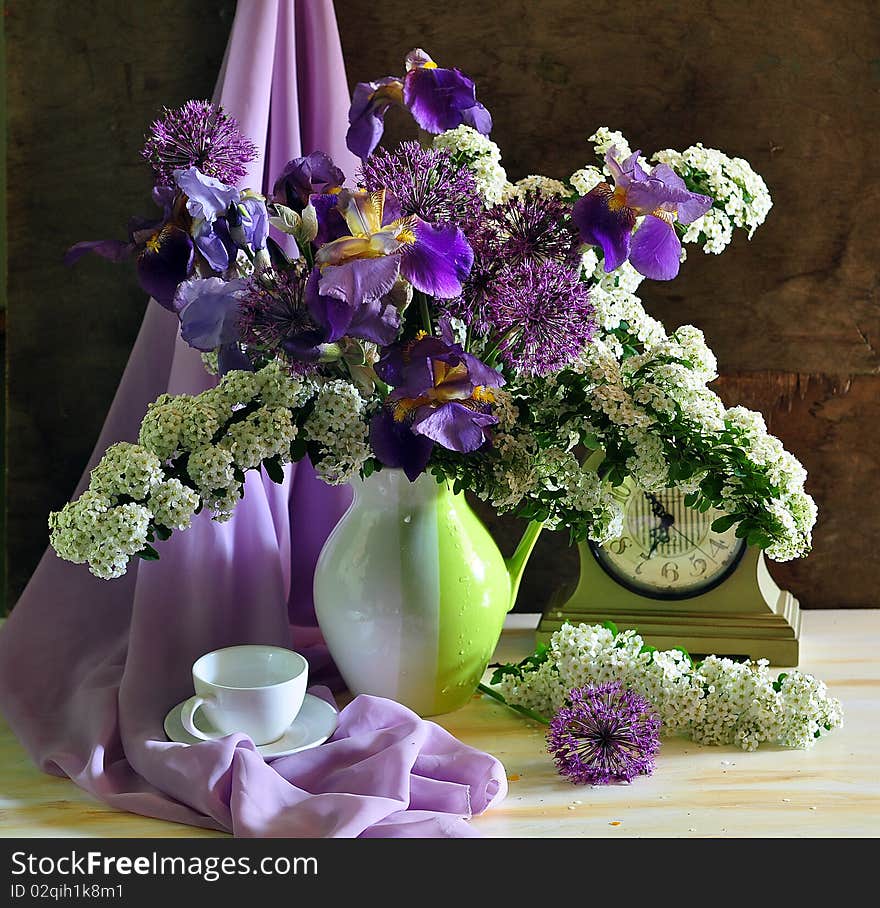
[{"x": 187, "y": 714}]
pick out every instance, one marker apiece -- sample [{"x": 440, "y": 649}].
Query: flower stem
[
  {"x": 522, "y": 710},
  {"x": 425, "y": 313}
]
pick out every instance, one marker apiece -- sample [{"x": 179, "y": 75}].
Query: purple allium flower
[
  {"x": 425, "y": 182},
  {"x": 201, "y": 135},
  {"x": 274, "y": 315},
  {"x": 542, "y": 314},
  {"x": 533, "y": 228},
  {"x": 607, "y": 734}
]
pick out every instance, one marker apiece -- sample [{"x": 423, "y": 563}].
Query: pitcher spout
[{"x": 516, "y": 564}]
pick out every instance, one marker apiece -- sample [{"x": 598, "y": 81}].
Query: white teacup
[{"x": 254, "y": 689}]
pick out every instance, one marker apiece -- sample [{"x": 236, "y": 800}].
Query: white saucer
[{"x": 313, "y": 726}]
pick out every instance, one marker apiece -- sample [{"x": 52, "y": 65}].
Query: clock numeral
[
  {"x": 669, "y": 571},
  {"x": 699, "y": 566},
  {"x": 639, "y": 565},
  {"x": 619, "y": 546},
  {"x": 718, "y": 547}
]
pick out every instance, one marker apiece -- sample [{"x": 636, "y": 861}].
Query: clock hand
[
  {"x": 659, "y": 534},
  {"x": 694, "y": 544}
]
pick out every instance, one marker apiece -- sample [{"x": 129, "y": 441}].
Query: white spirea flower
[
  {"x": 265, "y": 433},
  {"x": 202, "y": 419},
  {"x": 126, "y": 469},
  {"x": 585, "y": 179},
  {"x": 173, "y": 504},
  {"x": 538, "y": 185},
  {"x": 604, "y": 139},
  {"x": 211, "y": 468},
  {"x": 714, "y": 230},
  {"x": 719, "y": 701},
  {"x": 211, "y": 362},
  {"x": 160, "y": 429},
  {"x": 739, "y": 193},
  {"x": 338, "y": 425},
  {"x": 481, "y": 156}
]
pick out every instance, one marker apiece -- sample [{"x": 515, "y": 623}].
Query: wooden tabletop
[{"x": 830, "y": 791}]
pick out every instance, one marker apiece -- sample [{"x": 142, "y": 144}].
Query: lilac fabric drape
[{"x": 88, "y": 669}]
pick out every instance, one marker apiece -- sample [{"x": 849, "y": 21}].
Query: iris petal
[
  {"x": 162, "y": 265},
  {"x": 396, "y": 446},
  {"x": 439, "y": 260},
  {"x": 438, "y": 98},
  {"x": 600, "y": 226},
  {"x": 656, "y": 250},
  {"x": 454, "y": 426}
]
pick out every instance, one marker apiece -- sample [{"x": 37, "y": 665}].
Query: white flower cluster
[
  {"x": 641, "y": 394},
  {"x": 481, "y": 156},
  {"x": 95, "y": 530},
  {"x": 537, "y": 185},
  {"x": 741, "y": 195},
  {"x": 604, "y": 139},
  {"x": 794, "y": 510},
  {"x": 104, "y": 527},
  {"x": 339, "y": 426},
  {"x": 131, "y": 492},
  {"x": 718, "y": 701},
  {"x": 586, "y": 178}
]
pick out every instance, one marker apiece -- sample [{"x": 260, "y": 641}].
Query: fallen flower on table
[
  {"x": 606, "y": 734},
  {"x": 715, "y": 701}
]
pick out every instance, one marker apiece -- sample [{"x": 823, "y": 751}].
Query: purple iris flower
[
  {"x": 441, "y": 395},
  {"x": 365, "y": 264},
  {"x": 606, "y": 216},
  {"x": 314, "y": 174},
  {"x": 164, "y": 251},
  {"x": 374, "y": 319},
  {"x": 313, "y": 180},
  {"x": 249, "y": 222},
  {"x": 206, "y": 197},
  {"x": 209, "y": 311},
  {"x": 439, "y": 99}
]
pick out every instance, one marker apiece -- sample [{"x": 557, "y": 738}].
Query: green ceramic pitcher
[{"x": 411, "y": 592}]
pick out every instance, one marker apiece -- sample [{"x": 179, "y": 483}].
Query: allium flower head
[
  {"x": 425, "y": 182},
  {"x": 528, "y": 228},
  {"x": 543, "y": 314},
  {"x": 274, "y": 314},
  {"x": 607, "y": 734},
  {"x": 200, "y": 135}
]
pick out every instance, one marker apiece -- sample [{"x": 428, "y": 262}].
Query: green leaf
[
  {"x": 691, "y": 499},
  {"x": 687, "y": 655},
  {"x": 162, "y": 533},
  {"x": 722, "y": 524},
  {"x": 274, "y": 470},
  {"x": 611, "y": 627},
  {"x": 777, "y": 684},
  {"x": 148, "y": 553}
]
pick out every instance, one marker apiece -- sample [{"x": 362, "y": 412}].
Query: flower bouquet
[{"x": 425, "y": 317}]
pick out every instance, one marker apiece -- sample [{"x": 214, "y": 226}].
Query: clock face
[{"x": 668, "y": 550}]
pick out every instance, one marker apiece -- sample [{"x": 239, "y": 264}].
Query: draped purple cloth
[{"x": 88, "y": 669}]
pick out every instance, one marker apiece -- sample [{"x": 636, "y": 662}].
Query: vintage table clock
[{"x": 679, "y": 583}]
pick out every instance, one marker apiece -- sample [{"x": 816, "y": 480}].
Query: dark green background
[{"x": 794, "y": 316}]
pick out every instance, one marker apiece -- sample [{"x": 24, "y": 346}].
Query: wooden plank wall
[{"x": 793, "y": 316}]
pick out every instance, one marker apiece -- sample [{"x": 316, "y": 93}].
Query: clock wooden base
[{"x": 747, "y": 615}]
